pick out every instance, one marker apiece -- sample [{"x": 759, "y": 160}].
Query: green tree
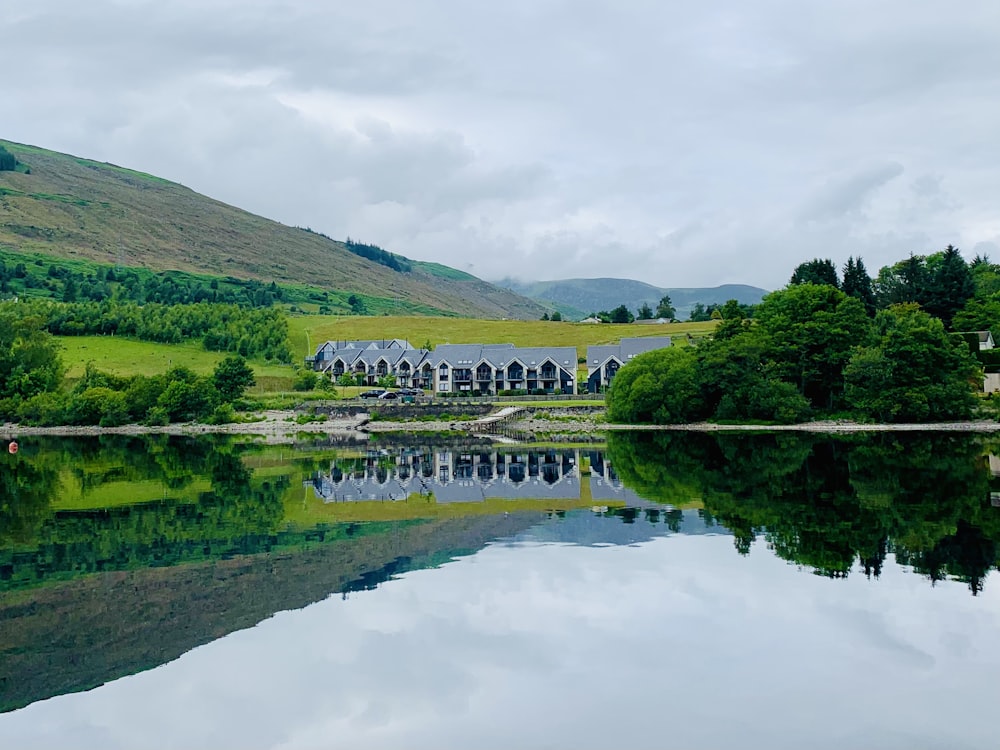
[
  {"x": 658, "y": 387},
  {"x": 857, "y": 283},
  {"x": 913, "y": 372},
  {"x": 816, "y": 271},
  {"x": 809, "y": 333},
  {"x": 621, "y": 314},
  {"x": 556, "y": 316},
  {"x": 231, "y": 377},
  {"x": 950, "y": 285},
  {"x": 905, "y": 281},
  {"x": 29, "y": 357},
  {"x": 665, "y": 308},
  {"x": 645, "y": 311}
]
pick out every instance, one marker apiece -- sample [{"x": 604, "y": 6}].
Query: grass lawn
[
  {"x": 124, "y": 357},
  {"x": 308, "y": 332}
]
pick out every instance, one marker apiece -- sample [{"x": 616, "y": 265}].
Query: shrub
[{"x": 305, "y": 381}]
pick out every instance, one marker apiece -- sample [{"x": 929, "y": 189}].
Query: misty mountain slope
[{"x": 70, "y": 207}]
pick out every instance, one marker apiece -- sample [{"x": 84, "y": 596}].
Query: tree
[
  {"x": 816, "y": 271},
  {"x": 545, "y": 316},
  {"x": 658, "y": 387},
  {"x": 231, "y": 377},
  {"x": 809, "y": 333},
  {"x": 858, "y": 284},
  {"x": 645, "y": 312},
  {"x": 621, "y": 314},
  {"x": 29, "y": 357},
  {"x": 905, "y": 281},
  {"x": 556, "y": 316},
  {"x": 950, "y": 285},
  {"x": 665, "y": 308},
  {"x": 914, "y": 372}
]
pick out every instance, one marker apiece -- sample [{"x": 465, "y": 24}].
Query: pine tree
[{"x": 857, "y": 283}]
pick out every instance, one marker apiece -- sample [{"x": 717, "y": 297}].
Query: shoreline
[{"x": 278, "y": 423}]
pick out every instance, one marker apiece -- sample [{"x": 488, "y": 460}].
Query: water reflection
[
  {"x": 119, "y": 554},
  {"x": 829, "y": 504}
]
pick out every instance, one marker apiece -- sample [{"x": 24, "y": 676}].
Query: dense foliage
[
  {"x": 377, "y": 254},
  {"x": 29, "y": 359},
  {"x": 224, "y": 328},
  {"x": 31, "y": 379},
  {"x": 98, "y": 398},
  {"x": 811, "y": 350},
  {"x": 97, "y": 283}
]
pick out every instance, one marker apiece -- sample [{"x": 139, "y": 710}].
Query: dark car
[
  {"x": 410, "y": 392},
  {"x": 376, "y": 393}
]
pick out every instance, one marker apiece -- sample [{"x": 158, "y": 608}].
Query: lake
[{"x": 769, "y": 590}]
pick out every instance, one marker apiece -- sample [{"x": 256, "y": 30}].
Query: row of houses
[{"x": 477, "y": 368}]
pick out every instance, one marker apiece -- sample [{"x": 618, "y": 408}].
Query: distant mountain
[
  {"x": 576, "y": 298},
  {"x": 72, "y": 208}
]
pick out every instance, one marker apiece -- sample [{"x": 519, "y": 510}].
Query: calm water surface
[{"x": 661, "y": 590}]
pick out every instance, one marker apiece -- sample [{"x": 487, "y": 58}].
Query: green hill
[
  {"x": 577, "y": 298},
  {"x": 72, "y": 208}
]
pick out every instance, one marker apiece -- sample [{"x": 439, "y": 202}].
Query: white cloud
[{"x": 680, "y": 144}]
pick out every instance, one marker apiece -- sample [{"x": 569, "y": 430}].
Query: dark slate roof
[{"x": 624, "y": 350}]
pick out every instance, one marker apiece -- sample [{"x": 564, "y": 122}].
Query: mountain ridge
[
  {"x": 580, "y": 297},
  {"x": 71, "y": 207}
]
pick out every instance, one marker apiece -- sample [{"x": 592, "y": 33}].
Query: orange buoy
[{"x": 12, "y": 448}]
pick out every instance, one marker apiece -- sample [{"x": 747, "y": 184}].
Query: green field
[
  {"x": 307, "y": 332},
  {"x": 124, "y": 357}
]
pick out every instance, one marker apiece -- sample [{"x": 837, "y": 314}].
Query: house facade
[
  {"x": 474, "y": 368},
  {"x": 604, "y": 361}
]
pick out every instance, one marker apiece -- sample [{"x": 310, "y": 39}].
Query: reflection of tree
[
  {"x": 828, "y": 504},
  {"x": 27, "y": 482},
  {"x": 237, "y": 515}
]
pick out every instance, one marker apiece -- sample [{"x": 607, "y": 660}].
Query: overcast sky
[{"x": 683, "y": 144}]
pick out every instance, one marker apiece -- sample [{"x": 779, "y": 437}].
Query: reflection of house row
[{"x": 452, "y": 476}]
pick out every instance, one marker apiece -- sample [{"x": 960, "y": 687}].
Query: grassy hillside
[
  {"x": 125, "y": 357},
  {"x": 576, "y": 298},
  {"x": 69, "y": 207},
  {"x": 421, "y": 330}
]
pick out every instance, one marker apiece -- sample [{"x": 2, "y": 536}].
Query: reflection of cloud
[{"x": 557, "y": 645}]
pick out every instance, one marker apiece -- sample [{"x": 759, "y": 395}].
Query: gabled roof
[
  {"x": 365, "y": 344},
  {"x": 624, "y": 350}
]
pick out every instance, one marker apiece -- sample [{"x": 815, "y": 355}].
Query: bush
[
  {"x": 157, "y": 417},
  {"x": 222, "y": 414},
  {"x": 305, "y": 381},
  {"x": 44, "y": 409}
]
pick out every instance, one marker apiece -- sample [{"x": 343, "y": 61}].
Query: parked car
[
  {"x": 388, "y": 396},
  {"x": 375, "y": 393},
  {"x": 410, "y": 392}
]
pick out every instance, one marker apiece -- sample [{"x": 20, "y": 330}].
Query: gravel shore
[{"x": 275, "y": 423}]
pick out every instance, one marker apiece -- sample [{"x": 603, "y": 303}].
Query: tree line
[
  {"x": 102, "y": 283},
  {"x": 259, "y": 332},
  {"x": 877, "y": 349}
]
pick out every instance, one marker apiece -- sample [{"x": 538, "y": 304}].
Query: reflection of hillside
[{"x": 74, "y": 636}]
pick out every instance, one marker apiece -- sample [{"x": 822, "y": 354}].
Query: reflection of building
[
  {"x": 605, "y": 484},
  {"x": 473, "y": 474},
  {"x": 452, "y": 476}
]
